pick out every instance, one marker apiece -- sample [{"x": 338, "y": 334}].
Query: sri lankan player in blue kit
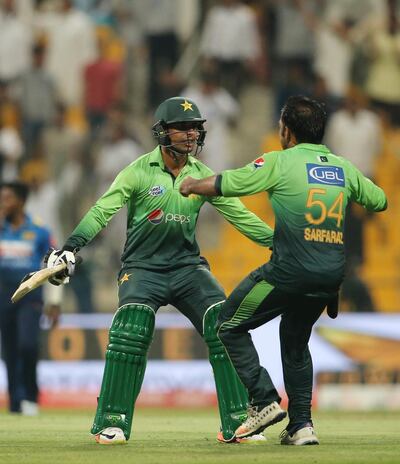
[
  {"x": 161, "y": 264},
  {"x": 23, "y": 241},
  {"x": 309, "y": 188}
]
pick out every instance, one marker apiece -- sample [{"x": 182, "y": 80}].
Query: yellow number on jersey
[{"x": 335, "y": 211}]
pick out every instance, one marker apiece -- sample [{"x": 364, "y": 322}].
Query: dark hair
[
  {"x": 306, "y": 118},
  {"x": 20, "y": 189}
]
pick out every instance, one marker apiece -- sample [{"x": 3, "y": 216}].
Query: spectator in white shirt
[
  {"x": 231, "y": 42},
  {"x": 355, "y": 133},
  {"x": 15, "y": 43},
  {"x": 220, "y": 109},
  {"x": 11, "y": 149},
  {"x": 72, "y": 46}
]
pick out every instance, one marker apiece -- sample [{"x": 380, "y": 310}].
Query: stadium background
[{"x": 70, "y": 122}]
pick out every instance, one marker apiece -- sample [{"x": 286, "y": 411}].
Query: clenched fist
[{"x": 185, "y": 188}]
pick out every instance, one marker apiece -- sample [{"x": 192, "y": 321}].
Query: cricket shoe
[
  {"x": 259, "y": 418},
  {"x": 302, "y": 435},
  {"x": 251, "y": 440},
  {"x": 111, "y": 436},
  {"x": 29, "y": 408}
]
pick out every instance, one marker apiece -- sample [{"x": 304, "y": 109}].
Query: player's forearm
[
  {"x": 207, "y": 186},
  {"x": 257, "y": 232},
  {"x": 245, "y": 221}
]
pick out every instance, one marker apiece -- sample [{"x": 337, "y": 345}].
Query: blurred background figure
[
  {"x": 292, "y": 48},
  {"x": 221, "y": 110},
  {"x": 383, "y": 51},
  {"x": 11, "y": 150},
  {"x": 102, "y": 84},
  {"x": 230, "y": 43},
  {"x": 37, "y": 99},
  {"x": 158, "y": 21},
  {"x": 15, "y": 43},
  {"x": 23, "y": 243},
  {"x": 71, "y": 47},
  {"x": 119, "y": 148},
  {"x": 43, "y": 201}
]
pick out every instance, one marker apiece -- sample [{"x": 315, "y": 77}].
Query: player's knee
[{"x": 132, "y": 329}]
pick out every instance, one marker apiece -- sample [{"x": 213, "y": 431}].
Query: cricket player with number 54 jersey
[
  {"x": 161, "y": 264},
  {"x": 309, "y": 188}
]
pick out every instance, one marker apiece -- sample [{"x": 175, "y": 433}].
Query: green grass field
[{"x": 188, "y": 436}]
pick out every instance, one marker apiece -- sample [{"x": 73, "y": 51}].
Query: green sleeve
[
  {"x": 106, "y": 206},
  {"x": 364, "y": 191},
  {"x": 243, "y": 220},
  {"x": 258, "y": 176}
]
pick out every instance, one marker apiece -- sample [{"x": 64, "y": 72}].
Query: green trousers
[{"x": 253, "y": 303}]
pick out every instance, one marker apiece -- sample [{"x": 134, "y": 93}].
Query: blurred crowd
[{"x": 79, "y": 82}]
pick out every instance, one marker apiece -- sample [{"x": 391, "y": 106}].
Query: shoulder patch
[{"x": 258, "y": 163}]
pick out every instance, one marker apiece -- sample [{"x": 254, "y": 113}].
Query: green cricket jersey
[
  {"x": 309, "y": 189},
  {"x": 161, "y": 222}
]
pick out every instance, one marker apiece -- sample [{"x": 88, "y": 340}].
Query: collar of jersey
[
  {"x": 156, "y": 157},
  {"x": 313, "y": 147}
]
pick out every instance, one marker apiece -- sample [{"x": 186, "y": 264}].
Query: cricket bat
[{"x": 37, "y": 279}]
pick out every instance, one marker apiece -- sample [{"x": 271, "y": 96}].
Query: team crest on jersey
[
  {"x": 29, "y": 235},
  {"x": 259, "y": 163},
  {"x": 156, "y": 216},
  {"x": 157, "y": 190},
  {"x": 326, "y": 175}
]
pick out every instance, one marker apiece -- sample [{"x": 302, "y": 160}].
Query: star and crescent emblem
[
  {"x": 187, "y": 106},
  {"x": 124, "y": 278}
]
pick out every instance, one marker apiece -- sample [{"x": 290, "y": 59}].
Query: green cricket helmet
[{"x": 177, "y": 110}]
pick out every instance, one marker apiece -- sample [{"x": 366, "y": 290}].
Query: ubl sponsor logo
[
  {"x": 328, "y": 175},
  {"x": 158, "y": 216}
]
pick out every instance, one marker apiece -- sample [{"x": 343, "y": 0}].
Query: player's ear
[
  {"x": 289, "y": 137},
  {"x": 286, "y": 133}
]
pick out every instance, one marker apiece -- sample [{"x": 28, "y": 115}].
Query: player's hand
[
  {"x": 53, "y": 315},
  {"x": 185, "y": 188},
  {"x": 55, "y": 257}
]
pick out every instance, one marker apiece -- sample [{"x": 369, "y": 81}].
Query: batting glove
[{"x": 55, "y": 257}]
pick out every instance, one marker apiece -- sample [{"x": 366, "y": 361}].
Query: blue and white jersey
[{"x": 21, "y": 252}]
